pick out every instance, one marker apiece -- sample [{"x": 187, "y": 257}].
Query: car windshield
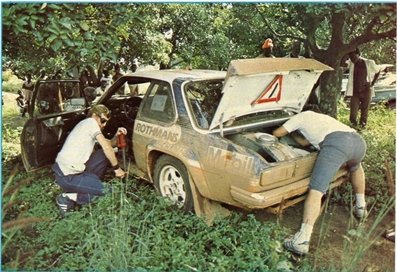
[{"x": 203, "y": 98}]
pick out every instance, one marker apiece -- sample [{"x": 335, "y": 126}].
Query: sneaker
[
  {"x": 291, "y": 244},
  {"x": 360, "y": 212},
  {"x": 65, "y": 204},
  {"x": 389, "y": 235}
]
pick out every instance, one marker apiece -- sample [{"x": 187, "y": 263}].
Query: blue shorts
[{"x": 338, "y": 148}]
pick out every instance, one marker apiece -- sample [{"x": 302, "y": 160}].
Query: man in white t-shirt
[
  {"x": 338, "y": 145},
  {"x": 78, "y": 167}
]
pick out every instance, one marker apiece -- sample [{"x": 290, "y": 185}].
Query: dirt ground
[{"x": 337, "y": 221}]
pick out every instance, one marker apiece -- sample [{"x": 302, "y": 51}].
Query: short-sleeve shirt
[
  {"x": 315, "y": 126},
  {"x": 78, "y": 147}
]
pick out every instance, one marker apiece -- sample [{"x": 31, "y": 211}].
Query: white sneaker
[
  {"x": 292, "y": 244},
  {"x": 360, "y": 212}
]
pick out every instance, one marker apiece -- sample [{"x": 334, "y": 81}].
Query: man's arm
[
  {"x": 375, "y": 79},
  {"x": 109, "y": 153},
  {"x": 300, "y": 139},
  {"x": 280, "y": 132}
]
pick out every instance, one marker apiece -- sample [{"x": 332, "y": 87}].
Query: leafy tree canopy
[{"x": 74, "y": 36}]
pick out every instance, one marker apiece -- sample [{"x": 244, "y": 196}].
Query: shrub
[{"x": 10, "y": 82}]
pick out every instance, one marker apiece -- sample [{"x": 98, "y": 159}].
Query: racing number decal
[{"x": 272, "y": 93}]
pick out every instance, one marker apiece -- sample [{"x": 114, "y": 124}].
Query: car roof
[{"x": 171, "y": 75}]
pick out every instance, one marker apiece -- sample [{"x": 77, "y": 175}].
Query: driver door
[{"x": 56, "y": 107}]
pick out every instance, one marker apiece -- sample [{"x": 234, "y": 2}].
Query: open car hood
[{"x": 265, "y": 84}]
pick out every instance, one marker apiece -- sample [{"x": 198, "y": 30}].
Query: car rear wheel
[
  {"x": 172, "y": 181},
  {"x": 391, "y": 104}
]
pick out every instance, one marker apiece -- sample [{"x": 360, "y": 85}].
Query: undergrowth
[
  {"x": 134, "y": 229},
  {"x": 379, "y": 161}
]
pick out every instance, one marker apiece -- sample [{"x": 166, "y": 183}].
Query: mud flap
[{"x": 205, "y": 208}]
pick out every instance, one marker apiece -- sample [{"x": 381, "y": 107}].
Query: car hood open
[{"x": 265, "y": 84}]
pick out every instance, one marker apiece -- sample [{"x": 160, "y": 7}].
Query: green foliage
[
  {"x": 380, "y": 136},
  {"x": 203, "y": 35},
  {"x": 68, "y": 35},
  {"x": 133, "y": 228},
  {"x": 10, "y": 82}
]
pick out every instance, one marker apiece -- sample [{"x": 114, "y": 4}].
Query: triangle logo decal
[{"x": 272, "y": 93}]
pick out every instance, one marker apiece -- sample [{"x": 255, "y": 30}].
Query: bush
[{"x": 11, "y": 83}]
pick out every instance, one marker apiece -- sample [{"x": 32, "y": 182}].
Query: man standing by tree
[{"x": 363, "y": 74}]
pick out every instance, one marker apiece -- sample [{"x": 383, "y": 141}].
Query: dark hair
[
  {"x": 355, "y": 51},
  {"x": 312, "y": 107}
]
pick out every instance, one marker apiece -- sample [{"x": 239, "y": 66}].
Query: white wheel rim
[{"x": 172, "y": 185}]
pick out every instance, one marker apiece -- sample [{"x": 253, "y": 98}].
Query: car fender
[{"x": 193, "y": 166}]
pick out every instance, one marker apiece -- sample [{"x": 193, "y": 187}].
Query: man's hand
[
  {"x": 119, "y": 173},
  {"x": 121, "y": 130}
]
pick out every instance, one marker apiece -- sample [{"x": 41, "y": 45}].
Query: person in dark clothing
[
  {"x": 22, "y": 103},
  {"x": 27, "y": 90},
  {"x": 363, "y": 74}
]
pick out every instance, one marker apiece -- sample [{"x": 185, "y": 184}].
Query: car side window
[
  {"x": 57, "y": 97},
  {"x": 158, "y": 103}
]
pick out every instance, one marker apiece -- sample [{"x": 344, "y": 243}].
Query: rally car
[{"x": 195, "y": 133}]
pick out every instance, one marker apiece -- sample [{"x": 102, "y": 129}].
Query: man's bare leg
[
  {"x": 358, "y": 180},
  {"x": 300, "y": 242},
  {"x": 358, "y": 183}
]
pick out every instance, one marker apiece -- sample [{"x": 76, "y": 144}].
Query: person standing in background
[
  {"x": 27, "y": 90},
  {"x": 267, "y": 49},
  {"x": 363, "y": 74}
]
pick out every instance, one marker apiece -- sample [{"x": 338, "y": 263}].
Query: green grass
[{"x": 134, "y": 229}]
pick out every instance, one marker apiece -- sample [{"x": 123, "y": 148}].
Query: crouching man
[
  {"x": 338, "y": 144},
  {"x": 78, "y": 167}
]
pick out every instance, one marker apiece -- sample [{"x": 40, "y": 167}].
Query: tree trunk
[{"x": 330, "y": 87}]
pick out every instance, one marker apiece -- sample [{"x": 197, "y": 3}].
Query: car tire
[
  {"x": 172, "y": 181},
  {"x": 391, "y": 104}
]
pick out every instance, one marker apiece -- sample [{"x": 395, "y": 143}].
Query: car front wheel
[{"x": 172, "y": 181}]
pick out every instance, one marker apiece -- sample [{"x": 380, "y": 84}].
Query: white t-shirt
[
  {"x": 315, "y": 126},
  {"x": 78, "y": 147}
]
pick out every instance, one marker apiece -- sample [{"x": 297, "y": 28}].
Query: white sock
[
  {"x": 305, "y": 232},
  {"x": 71, "y": 196},
  {"x": 360, "y": 200}
]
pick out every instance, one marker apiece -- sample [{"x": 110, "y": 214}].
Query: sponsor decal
[
  {"x": 231, "y": 161},
  {"x": 272, "y": 93},
  {"x": 169, "y": 134}
]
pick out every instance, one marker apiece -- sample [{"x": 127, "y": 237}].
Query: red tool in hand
[{"x": 121, "y": 143}]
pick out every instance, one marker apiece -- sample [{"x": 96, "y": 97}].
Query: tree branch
[
  {"x": 370, "y": 36},
  {"x": 278, "y": 35}
]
